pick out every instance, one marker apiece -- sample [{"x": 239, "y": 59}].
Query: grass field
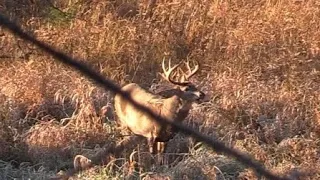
[{"x": 260, "y": 67}]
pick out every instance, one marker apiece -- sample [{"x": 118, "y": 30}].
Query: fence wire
[{"x": 109, "y": 85}]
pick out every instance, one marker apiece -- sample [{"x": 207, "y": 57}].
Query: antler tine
[
  {"x": 191, "y": 72},
  {"x": 182, "y": 75},
  {"x": 165, "y": 70}
]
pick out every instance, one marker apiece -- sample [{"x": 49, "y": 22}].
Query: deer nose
[{"x": 202, "y": 95}]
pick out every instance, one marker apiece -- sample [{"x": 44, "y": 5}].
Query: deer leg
[
  {"x": 161, "y": 147},
  {"x": 151, "y": 144},
  {"x": 160, "y": 150}
]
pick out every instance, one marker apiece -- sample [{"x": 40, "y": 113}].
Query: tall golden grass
[{"x": 260, "y": 64}]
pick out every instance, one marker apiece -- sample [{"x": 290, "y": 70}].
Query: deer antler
[
  {"x": 190, "y": 71},
  {"x": 185, "y": 77},
  {"x": 168, "y": 72}
]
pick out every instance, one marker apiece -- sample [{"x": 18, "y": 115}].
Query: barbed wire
[{"x": 109, "y": 85}]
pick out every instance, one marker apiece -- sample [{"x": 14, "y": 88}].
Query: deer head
[{"x": 186, "y": 89}]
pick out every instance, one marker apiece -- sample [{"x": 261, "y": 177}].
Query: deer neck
[
  {"x": 183, "y": 110},
  {"x": 175, "y": 108}
]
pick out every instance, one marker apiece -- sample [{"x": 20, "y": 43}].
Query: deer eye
[{"x": 188, "y": 88}]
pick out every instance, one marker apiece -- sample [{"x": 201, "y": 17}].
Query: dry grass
[{"x": 260, "y": 66}]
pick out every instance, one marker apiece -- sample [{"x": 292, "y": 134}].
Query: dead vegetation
[{"x": 260, "y": 64}]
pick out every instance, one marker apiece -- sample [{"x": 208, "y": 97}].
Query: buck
[{"x": 173, "y": 104}]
